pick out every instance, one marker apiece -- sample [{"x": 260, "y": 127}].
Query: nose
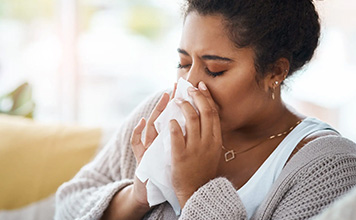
[{"x": 194, "y": 75}]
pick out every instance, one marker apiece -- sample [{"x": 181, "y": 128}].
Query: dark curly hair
[{"x": 272, "y": 28}]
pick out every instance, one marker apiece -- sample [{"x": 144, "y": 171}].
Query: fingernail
[
  {"x": 178, "y": 101},
  {"x": 202, "y": 85},
  {"x": 191, "y": 89}
]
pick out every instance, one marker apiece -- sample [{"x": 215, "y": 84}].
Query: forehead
[{"x": 206, "y": 33}]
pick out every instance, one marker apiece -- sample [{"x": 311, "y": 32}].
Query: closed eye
[
  {"x": 210, "y": 73},
  {"x": 214, "y": 74},
  {"x": 180, "y": 66}
]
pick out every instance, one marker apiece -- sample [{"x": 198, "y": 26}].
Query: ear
[{"x": 278, "y": 71}]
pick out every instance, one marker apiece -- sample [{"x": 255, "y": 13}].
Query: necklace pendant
[{"x": 230, "y": 155}]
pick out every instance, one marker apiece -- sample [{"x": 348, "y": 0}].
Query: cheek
[
  {"x": 179, "y": 75},
  {"x": 235, "y": 98},
  {"x": 222, "y": 95}
]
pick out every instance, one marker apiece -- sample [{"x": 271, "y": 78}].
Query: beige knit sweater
[{"x": 320, "y": 172}]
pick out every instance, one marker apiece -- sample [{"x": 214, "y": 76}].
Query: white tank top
[{"x": 255, "y": 190}]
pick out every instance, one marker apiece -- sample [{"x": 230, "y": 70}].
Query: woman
[{"x": 246, "y": 154}]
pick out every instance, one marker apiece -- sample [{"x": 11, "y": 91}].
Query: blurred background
[{"x": 90, "y": 62}]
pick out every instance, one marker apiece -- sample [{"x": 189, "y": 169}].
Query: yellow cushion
[{"x": 35, "y": 159}]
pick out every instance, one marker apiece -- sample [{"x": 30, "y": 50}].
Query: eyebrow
[{"x": 206, "y": 57}]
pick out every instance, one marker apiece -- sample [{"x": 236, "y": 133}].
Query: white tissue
[{"x": 155, "y": 165}]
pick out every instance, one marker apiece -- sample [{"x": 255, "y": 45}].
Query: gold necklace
[{"x": 230, "y": 154}]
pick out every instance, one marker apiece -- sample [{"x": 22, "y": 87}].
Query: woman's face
[{"x": 207, "y": 54}]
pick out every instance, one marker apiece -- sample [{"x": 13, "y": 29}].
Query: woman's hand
[
  {"x": 131, "y": 201},
  {"x": 196, "y": 156},
  {"x": 139, "y": 148}
]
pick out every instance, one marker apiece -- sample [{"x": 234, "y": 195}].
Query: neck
[{"x": 278, "y": 118}]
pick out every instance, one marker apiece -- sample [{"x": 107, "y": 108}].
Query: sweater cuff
[
  {"x": 217, "y": 199},
  {"x": 91, "y": 202},
  {"x": 105, "y": 197}
]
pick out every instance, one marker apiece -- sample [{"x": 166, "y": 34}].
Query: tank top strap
[{"x": 307, "y": 127}]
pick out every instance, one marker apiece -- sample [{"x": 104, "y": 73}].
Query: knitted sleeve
[
  {"x": 88, "y": 194},
  {"x": 317, "y": 187},
  {"x": 316, "y": 183},
  {"x": 217, "y": 199},
  {"x": 343, "y": 208}
]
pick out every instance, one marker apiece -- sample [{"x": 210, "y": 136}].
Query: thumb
[{"x": 137, "y": 146}]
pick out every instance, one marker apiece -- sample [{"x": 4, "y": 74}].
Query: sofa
[{"x": 36, "y": 158}]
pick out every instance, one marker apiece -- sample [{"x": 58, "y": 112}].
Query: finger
[
  {"x": 174, "y": 91},
  {"x": 203, "y": 88},
  {"x": 192, "y": 121},
  {"x": 217, "y": 128},
  {"x": 136, "y": 143},
  {"x": 215, "y": 114},
  {"x": 177, "y": 138},
  {"x": 151, "y": 132},
  {"x": 205, "y": 110}
]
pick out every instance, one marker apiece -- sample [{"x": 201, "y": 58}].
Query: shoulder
[
  {"x": 323, "y": 137},
  {"x": 332, "y": 153},
  {"x": 334, "y": 150},
  {"x": 324, "y": 169},
  {"x": 321, "y": 146},
  {"x": 328, "y": 144}
]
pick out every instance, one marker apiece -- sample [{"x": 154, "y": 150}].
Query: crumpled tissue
[{"x": 155, "y": 165}]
